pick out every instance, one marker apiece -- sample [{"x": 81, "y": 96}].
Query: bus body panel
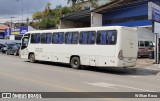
[
  {"x": 129, "y": 47},
  {"x": 91, "y": 55}
]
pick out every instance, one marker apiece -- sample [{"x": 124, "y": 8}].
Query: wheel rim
[{"x": 75, "y": 62}]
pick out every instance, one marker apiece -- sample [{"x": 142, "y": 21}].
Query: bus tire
[
  {"x": 32, "y": 58},
  {"x": 75, "y": 63}
]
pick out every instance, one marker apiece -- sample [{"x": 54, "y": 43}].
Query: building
[
  {"x": 126, "y": 13},
  {"x": 130, "y": 13},
  {"x": 17, "y": 33},
  {"x": 2, "y": 31}
]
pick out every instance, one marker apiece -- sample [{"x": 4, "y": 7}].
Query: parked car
[
  {"x": 4, "y": 49},
  {"x": 1, "y": 46},
  {"x": 13, "y": 49}
]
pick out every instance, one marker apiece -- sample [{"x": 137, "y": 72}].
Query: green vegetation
[{"x": 49, "y": 18}]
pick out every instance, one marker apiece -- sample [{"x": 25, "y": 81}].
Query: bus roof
[{"x": 76, "y": 29}]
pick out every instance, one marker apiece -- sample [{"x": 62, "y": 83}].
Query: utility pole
[
  {"x": 22, "y": 9},
  {"x": 11, "y": 21}
]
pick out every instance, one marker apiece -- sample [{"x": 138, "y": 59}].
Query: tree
[
  {"x": 37, "y": 16},
  {"x": 47, "y": 10},
  {"x": 71, "y": 1},
  {"x": 93, "y": 3},
  {"x": 76, "y": 4},
  {"x": 47, "y": 23},
  {"x": 49, "y": 18}
]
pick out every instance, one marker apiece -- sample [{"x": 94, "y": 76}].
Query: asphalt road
[{"x": 17, "y": 75}]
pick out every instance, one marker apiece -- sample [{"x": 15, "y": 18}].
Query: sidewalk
[
  {"x": 143, "y": 62},
  {"x": 147, "y": 66}
]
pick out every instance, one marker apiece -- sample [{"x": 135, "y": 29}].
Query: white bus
[{"x": 113, "y": 46}]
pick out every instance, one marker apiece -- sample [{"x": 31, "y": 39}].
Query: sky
[{"x": 14, "y": 9}]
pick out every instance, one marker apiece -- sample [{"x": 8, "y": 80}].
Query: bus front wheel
[
  {"x": 75, "y": 63},
  {"x": 32, "y": 58}
]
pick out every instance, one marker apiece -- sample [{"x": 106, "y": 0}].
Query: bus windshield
[
  {"x": 25, "y": 41},
  {"x": 151, "y": 44}
]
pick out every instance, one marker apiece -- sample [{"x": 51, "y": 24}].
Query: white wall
[
  {"x": 145, "y": 34},
  {"x": 12, "y": 37},
  {"x": 96, "y": 19},
  {"x": 31, "y": 28}
]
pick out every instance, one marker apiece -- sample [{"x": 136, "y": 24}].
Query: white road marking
[
  {"x": 136, "y": 76},
  {"x": 103, "y": 84},
  {"x": 153, "y": 68}
]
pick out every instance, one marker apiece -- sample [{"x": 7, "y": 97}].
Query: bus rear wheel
[
  {"x": 32, "y": 58},
  {"x": 75, "y": 63}
]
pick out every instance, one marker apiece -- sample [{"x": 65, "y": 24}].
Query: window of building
[
  {"x": 87, "y": 37},
  {"x": 58, "y": 38},
  {"x": 71, "y": 38},
  {"x": 107, "y": 37}
]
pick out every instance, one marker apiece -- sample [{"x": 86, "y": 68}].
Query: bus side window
[
  {"x": 48, "y": 38},
  {"x": 75, "y": 38},
  {"x": 35, "y": 38},
  {"x": 38, "y": 38},
  {"x": 107, "y": 37},
  {"x": 91, "y": 37},
  {"x": 58, "y": 38},
  {"x": 55, "y": 38},
  {"x": 68, "y": 38},
  {"x": 43, "y": 38},
  {"x": 87, "y": 37},
  {"x": 101, "y": 37},
  {"x": 71, "y": 38},
  {"x": 83, "y": 38},
  {"x": 112, "y": 37},
  {"x": 61, "y": 38},
  {"x": 141, "y": 43}
]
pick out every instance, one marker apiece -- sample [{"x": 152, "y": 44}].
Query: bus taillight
[{"x": 120, "y": 55}]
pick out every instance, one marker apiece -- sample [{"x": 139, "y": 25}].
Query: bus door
[{"x": 24, "y": 47}]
